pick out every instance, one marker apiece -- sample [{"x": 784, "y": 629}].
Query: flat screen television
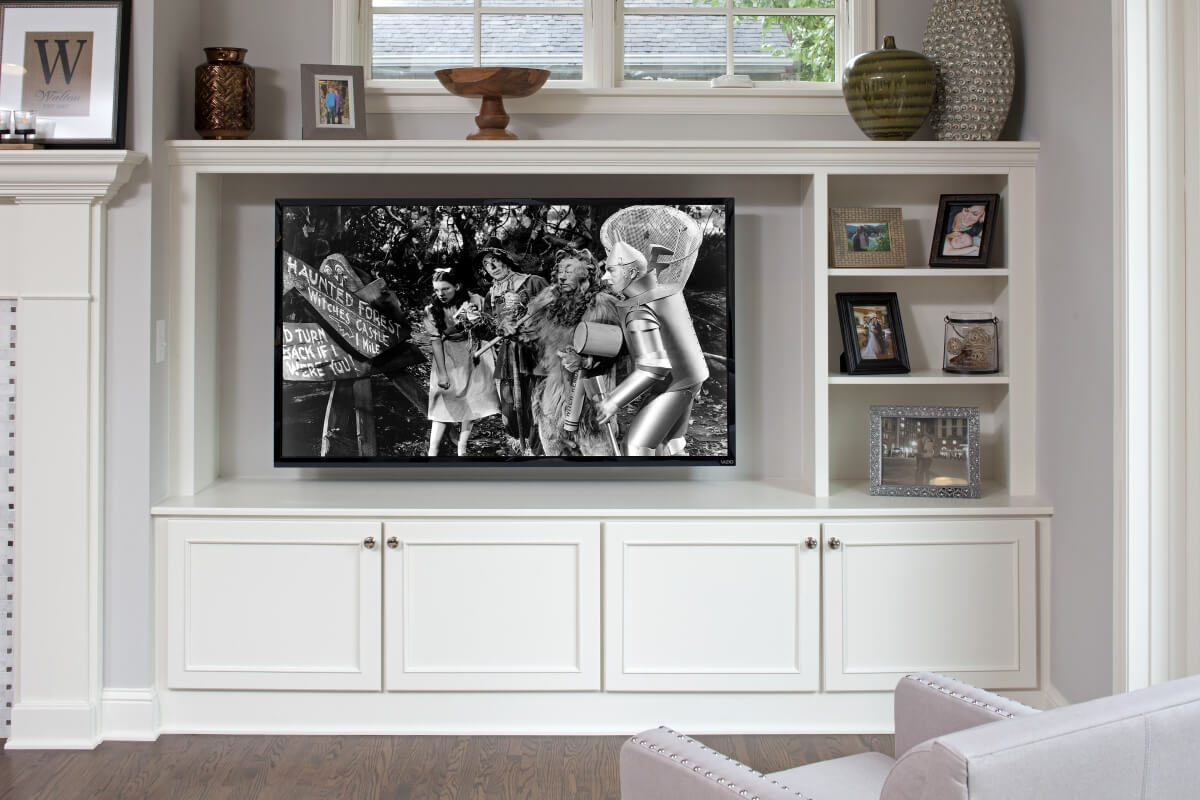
[{"x": 516, "y": 332}]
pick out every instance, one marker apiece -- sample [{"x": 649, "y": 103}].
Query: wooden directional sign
[
  {"x": 309, "y": 354},
  {"x": 333, "y": 291}
]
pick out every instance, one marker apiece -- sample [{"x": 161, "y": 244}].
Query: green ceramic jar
[{"x": 889, "y": 92}]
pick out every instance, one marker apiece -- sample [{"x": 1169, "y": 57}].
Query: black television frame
[{"x": 500, "y": 460}]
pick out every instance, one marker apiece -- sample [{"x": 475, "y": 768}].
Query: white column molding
[
  {"x": 1151, "y": 453},
  {"x": 55, "y": 270},
  {"x": 1190, "y": 621}
]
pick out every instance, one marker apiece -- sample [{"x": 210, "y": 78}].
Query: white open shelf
[
  {"x": 935, "y": 273},
  {"x": 252, "y": 497},
  {"x": 918, "y": 377}
]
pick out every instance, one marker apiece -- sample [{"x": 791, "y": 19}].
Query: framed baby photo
[
  {"x": 965, "y": 228},
  {"x": 331, "y": 102},
  {"x": 867, "y": 237},
  {"x": 924, "y": 451},
  {"x": 872, "y": 333}
]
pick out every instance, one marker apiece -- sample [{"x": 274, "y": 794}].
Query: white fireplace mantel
[{"x": 53, "y": 207}]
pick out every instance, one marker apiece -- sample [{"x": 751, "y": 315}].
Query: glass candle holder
[
  {"x": 25, "y": 123},
  {"x": 6, "y": 121},
  {"x": 971, "y": 343}
]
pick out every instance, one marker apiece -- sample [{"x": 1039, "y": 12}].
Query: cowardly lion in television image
[
  {"x": 669, "y": 366},
  {"x": 574, "y": 385}
]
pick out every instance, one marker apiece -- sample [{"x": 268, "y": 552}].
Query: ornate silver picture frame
[{"x": 924, "y": 451}]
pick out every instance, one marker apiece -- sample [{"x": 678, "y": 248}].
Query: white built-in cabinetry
[{"x": 776, "y": 596}]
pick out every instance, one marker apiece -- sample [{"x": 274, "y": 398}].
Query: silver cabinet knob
[
  {"x": 811, "y": 543},
  {"x": 835, "y": 543},
  {"x": 393, "y": 542},
  {"x": 369, "y": 542}
]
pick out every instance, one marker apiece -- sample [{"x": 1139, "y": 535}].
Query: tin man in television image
[{"x": 651, "y": 253}]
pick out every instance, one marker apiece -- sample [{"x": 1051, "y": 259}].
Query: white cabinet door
[
  {"x": 492, "y": 605},
  {"x": 953, "y": 596},
  {"x": 727, "y": 605},
  {"x": 272, "y": 604}
]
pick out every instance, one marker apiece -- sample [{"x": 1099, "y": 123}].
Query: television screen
[{"x": 504, "y": 331}]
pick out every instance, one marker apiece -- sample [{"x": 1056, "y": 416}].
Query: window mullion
[
  {"x": 729, "y": 67},
  {"x": 478, "y": 20},
  {"x": 609, "y": 42}
]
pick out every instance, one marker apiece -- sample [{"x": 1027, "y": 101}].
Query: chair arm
[
  {"x": 660, "y": 764},
  {"x": 928, "y": 705}
]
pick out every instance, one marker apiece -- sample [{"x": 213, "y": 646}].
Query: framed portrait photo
[
  {"x": 963, "y": 233},
  {"x": 924, "y": 451},
  {"x": 872, "y": 333},
  {"x": 867, "y": 237},
  {"x": 67, "y": 62},
  {"x": 331, "y": 102}
]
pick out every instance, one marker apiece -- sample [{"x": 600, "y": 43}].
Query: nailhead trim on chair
[
  {"x": 708, "y": 773},
  {"x": 958, "y": 695}
]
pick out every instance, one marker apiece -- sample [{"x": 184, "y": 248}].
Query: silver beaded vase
[{"x": 970, "y": 42}]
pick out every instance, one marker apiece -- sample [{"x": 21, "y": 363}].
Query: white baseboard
[
  {"x": 1056, "y": 698},
  {"x": 520, "y": 713},
  {"x": 54, "y": 726},
  {"x": 129, "y": 715}
]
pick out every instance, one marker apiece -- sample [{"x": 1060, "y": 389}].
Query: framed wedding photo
[
  {"x": 331, "y": 102},
  {"x": 872, "y": 333},
  {"x": 924, "y": 451},
  {"x": 963, "y": 233},
  {"x": 66, "y": 66},
  {"x": 867, "y": 237}
]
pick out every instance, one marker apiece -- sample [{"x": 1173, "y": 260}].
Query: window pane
[
  {"x": 416, "y": 45},
  {"x": 548, "y": 3},
  {"x": 685, "y": 48},
  {"x": 783, "y": 3},
  {"x": 789, "y": 48},
  {"x": 411, "y": 3},
  {"x": 674, "y": 3},
  {"x": 547, "y": 41}
]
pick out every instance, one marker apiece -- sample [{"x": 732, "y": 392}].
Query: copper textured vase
[
  {"x": 224, "y": 94},
  {"x": 889, "y": 92}
]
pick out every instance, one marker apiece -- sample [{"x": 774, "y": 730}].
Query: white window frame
[{"x": 351, "y": 44}]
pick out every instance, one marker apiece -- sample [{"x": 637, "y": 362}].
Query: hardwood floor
[{"x": 370, "y": 767}]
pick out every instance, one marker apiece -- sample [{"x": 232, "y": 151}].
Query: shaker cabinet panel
[
  {"x": 952, "y": 596},
  {"x": 271, "y": 604},
  {"x": 490, "y": 605},
  {"x": 711, "y": 606}
]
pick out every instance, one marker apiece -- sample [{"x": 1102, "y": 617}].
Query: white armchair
[{"x": 956, "y": 742}]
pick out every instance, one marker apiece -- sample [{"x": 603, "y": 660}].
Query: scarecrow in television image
[{"x": 651, "y": 252}]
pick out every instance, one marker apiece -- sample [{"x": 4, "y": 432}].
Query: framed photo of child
[
  {"x": 331, "y": 102},
  {"x": 963, "y": 233}
]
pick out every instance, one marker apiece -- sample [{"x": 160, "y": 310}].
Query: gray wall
[
  {"x": 1068, "y": 105},
  {"x": 127, "y": 464},
  {"x": 1075, "y": 181},
  {"x": 136, "y": 388}
]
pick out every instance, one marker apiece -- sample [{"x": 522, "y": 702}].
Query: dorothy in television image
[{"x": 580, "y": 330}]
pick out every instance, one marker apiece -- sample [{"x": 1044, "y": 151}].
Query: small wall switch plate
[
  {"x": 160, "y": 341},
  {"x": 732, "y": 81}
]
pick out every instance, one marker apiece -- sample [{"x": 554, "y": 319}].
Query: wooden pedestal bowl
[{"x": 493, "y": 84}]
